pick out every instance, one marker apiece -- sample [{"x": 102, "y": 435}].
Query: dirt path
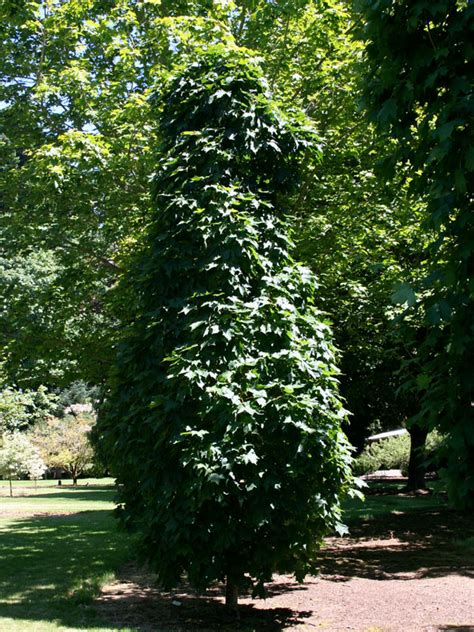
[{"x": 403, "y": 573}]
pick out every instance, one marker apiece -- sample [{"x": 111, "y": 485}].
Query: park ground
[{"x": 406, "y": 566}]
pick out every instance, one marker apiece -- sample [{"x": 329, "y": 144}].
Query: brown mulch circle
[{"x": 401, "y": 573}]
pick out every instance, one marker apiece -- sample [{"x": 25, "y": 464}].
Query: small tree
[
  {"x": 19, "y": 457},
  {"x": 64, "y": 443},
  {"x": 222, "y": 422}
]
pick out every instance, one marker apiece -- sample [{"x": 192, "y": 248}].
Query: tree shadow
[
  {"x": 404, "y": 546},
  {"x": 50, "y": 566},
  {"x": 455, "y": 628},
  {"x": 75, "y": 493},
  {"x": 135, "y": 601}
]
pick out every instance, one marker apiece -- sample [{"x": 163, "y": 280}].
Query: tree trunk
[
  {"x": 416, "y": 465},
  {"x": 11, "y": 488},
  {"x": 231, "y": 595},
  {"x": 74, "y": 480}
]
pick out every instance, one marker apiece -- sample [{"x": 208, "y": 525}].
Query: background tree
[
  {"x": 222, "y": 422},
  {"x": 362, "y": 237},
  {"x": 19, "y": 457},
  {"x": 419, "y": 91},
  {"x": 64, "y": 443},
  {"x": 76, "y": 398},
  {"x": 75, "y": 135},
  {"x": 20, "y": 409}
]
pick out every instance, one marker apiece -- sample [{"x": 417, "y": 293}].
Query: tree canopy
[{"x": 419, "y": 90}]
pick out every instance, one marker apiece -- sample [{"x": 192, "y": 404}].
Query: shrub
[{"x": 394, "y": 454}]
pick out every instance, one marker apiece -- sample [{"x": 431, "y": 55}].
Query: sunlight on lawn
[{"x": 59, "y": 546}]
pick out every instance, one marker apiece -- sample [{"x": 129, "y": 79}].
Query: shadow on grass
[
  {"x": 78, "y": 493},
  {"x": 415, "y": 539},
  {"x": 51, "y": 567}
]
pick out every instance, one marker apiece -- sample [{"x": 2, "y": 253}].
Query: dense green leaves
[
  {"x": 222, "y": 421},
  {"x": 76, "y": 136},
  {"x": 419, "y": 90},
  {"x": 20, "y": 409}
]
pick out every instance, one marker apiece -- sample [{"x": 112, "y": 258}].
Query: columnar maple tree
[{"x": 222, "y": 419}]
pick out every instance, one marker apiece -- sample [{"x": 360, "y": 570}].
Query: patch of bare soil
[{"x": 404, "y": 573}]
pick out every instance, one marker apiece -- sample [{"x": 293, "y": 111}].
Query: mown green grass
[
  {"x": 53, "y": 483},
  {"x": 52, "y": 565},
  {"x": 376, "y": 506}
]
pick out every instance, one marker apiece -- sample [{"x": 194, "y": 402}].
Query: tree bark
[
  {"x": 416, "y": 465},
  {"x": 231, "y": 595}
]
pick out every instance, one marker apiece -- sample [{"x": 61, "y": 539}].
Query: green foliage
[
  {"x": 78, "y": 132},
  {"x": 388, "y": 454},
  {"x": 394, "y": 453},
  {"x": 419, "y": 90},
  {"x": 18, "y": 408},
  {"x": 222, "y": 420},
  {"x": 360, "y": 237},
  {"x": 64, "y": 443},
  {"x": 13, "y": 409},
  {"x": 76, "y": 137},
  {"x": 41, "y": 329}
]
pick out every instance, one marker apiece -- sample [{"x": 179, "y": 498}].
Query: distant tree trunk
[
  {"x": 74, "y": 471},
  {"x": 11, "y": 488},
  {"x": 231, "y": 595},
  {"x": 416, "y": 465}
]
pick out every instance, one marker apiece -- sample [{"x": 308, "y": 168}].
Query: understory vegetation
[{"x": 394, "y": 454}]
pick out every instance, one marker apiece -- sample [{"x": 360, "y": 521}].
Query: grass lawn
[
  {"x": 388, "y": 498},
  {"x": 59, "y": 545}
]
